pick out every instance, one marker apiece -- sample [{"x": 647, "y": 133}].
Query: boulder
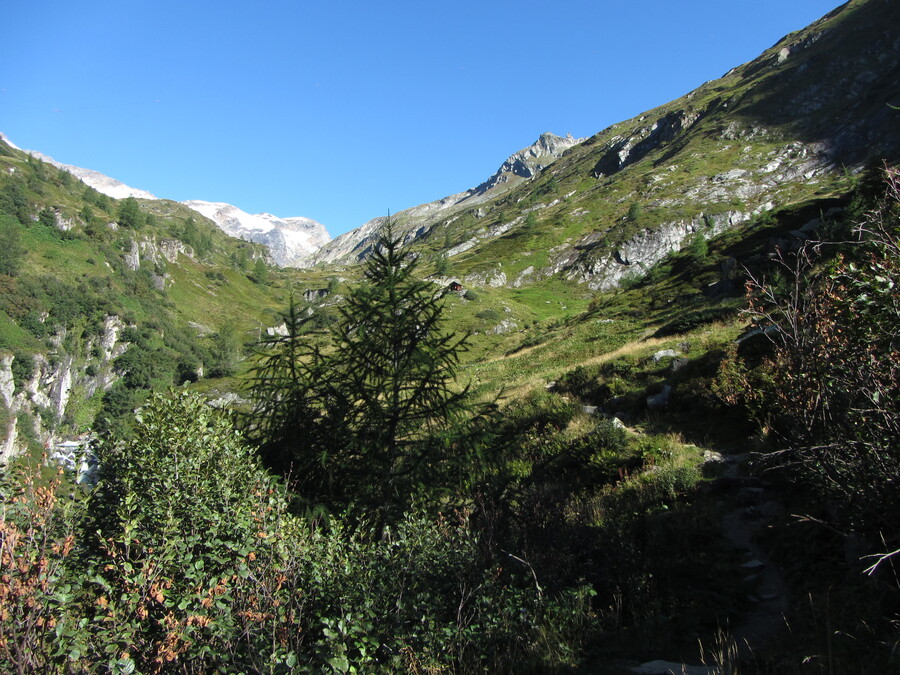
[{"x": 660, "y": 400}]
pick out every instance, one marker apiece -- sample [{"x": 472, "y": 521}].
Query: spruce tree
[
  {"x": 286, "y": 410},
  {"x": 377, "y": 415},
  {"x": 393, "y": 379}
]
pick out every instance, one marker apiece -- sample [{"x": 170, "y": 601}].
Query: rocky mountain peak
[
  {"x": 523, "y": 165},
  {"x": 528, "y": 162}
]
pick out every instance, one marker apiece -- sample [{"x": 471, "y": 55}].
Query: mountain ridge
[
  {"x": 522, "y": 165},
  {"x": 102, "y": 183},
  {"x": 794, "y": 124}
]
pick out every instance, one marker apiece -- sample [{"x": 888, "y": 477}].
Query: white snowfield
[{"x": 290, "y": 240}]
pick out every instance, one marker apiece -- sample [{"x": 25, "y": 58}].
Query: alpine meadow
[{"x": 630, "y": 405}]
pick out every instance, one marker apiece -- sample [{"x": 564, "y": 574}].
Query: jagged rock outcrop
[
  {"x": 592, "y": 262},
  {"x": 530, "y": 161},
  {"x": 494, "y": 278},
  {"x": 155, "y": 253},
  {"x": 622, "y": 151},
  {"x": 7, "y": 397},
  {"x": 290, "y": 240}
]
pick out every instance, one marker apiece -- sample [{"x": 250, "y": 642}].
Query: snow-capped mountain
[{"x": 289, "y": 240}]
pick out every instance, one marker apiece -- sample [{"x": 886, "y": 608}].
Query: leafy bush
[
  {"x": 36, "y": 540},
  {"x": 11, "y": 249},
  {"x": 535, "y": 413},
  {"x": 22, "y": 368},
  {"x": 189, "y": 561},
  {"x": 489, "y": 315},
  {"x": 834, "y": 398}
]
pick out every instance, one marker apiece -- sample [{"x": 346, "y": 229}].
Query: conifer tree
[
  {"x": 393, "y": 377},
  {"x": 380, "y": 413},
  {"x": 286, "y": 414}
]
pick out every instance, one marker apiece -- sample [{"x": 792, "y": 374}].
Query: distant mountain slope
[
  {"x": 519, "y": 167},
  {"x": 97, "y": 310},
  {"x": 290, "y": 240}
]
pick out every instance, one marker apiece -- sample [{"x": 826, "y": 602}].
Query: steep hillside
[
  {"x": 792, "y": 126},
  {"x": 100, "y": 182},
  {"x": 290, "y": 240}
]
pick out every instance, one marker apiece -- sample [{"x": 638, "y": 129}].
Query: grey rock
[
  {"x": 315, "y": 294},
  {"x": 291, "y": 241},
  {"x": 623, "y": 151},
  {"x": 677, "y": 364},
  {"x": 7, "y": 384},
  {"x": 660, "y": 400},
  {"x": 587, "y": 261},
  {"x": 505, "y": 326},
  {"x": 713, "y": 457}
]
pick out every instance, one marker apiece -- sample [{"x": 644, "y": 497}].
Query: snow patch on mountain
[{"x": 100, "y": 182}]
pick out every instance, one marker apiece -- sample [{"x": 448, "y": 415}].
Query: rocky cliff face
[
  {"x": 414, "y": 222},
  {"x": 290, "y": 240},
  {"x": 34, "y": 407},
  {"x": 528, "y": 162}
]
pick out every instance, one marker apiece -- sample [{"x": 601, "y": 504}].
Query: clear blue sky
[{"x": 344, "y": 110}]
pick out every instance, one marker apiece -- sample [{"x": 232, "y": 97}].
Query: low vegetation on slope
[
  {"x": 561, "y": 538},
  {"x": 105, "y": 300}
]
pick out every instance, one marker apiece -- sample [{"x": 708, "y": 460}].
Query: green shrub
[
  {"x": 36, "y": 531},
  {"x": 536, "y": 413},
  {"x": 489, "y": 315},
  {"x": 188, "y": 561},
  {"x": 833, "y": 398}
]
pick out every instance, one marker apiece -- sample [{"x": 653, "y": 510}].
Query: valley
[{"x": 628, "y": 405}]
